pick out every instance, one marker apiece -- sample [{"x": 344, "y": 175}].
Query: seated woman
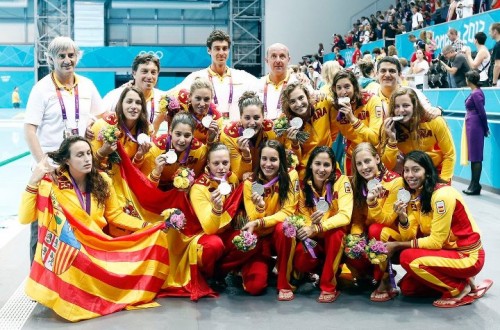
[
  {"x": 357, "y": 115},
  {"x": 373, "y": 214},
  {"x": 244, "y": 149},
  {"x": 216, "y": 198},
  {"x": 399, "y": 135},
  {"x": 322, "y": 183},
  {"x": 73, "y": 251},
  {"x": 316, "y": 121},
  {"x": 209, "y": 121},
  {"x": 171, "y": 151},
  {"x": 273, "y": 206},
  {"x": 441, "y": 243}
]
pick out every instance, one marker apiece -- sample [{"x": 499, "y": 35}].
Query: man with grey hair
[
  {"x": 59, "y": 105},
  {"x": 457, "y": 67},
  {"x": 270, "y": 86}
]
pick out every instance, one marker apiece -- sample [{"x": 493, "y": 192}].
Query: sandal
[
  {"x": 383, "y": 296},
  {"x": 453, "y": 302},
  {"x": 285, "y": 295},
  {"x": 328, "y": 297},
  {"x": 481, "y": 289}
]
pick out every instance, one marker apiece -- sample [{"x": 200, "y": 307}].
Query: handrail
[{"x": 13, "y": 159}]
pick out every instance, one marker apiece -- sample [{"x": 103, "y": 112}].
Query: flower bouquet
[
  {"x": 110, "y": 134},
  {"x": 169, "y": 105},
  {"x": 376, "y": 251},
  {"x": 183, "y": 178},
  {"x": 292, "y": 159},
  {"x": 174, "y": 218},
  {"x": 281, "y": 125},
  {"x": 290, "y": 227},
  {"x": 354, "y": 246},
  {"x": 245, "y": 241}
]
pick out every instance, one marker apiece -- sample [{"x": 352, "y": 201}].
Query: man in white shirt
[
  {"x": 417, "y": 20},
  {"x": 228, "y": 84},
  {"x": 145, "y": 71},
  {"x": 59, "y": 105},
  {"x": 270, "y": 86}
]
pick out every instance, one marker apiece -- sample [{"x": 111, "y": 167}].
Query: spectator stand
[
  {"x": 466, "y": 27},
  {"x": 347, "y": 53}
]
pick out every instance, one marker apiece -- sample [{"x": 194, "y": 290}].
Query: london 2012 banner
[{"x": 466, "y": 28}]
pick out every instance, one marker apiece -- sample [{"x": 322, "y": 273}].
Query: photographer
[{"x": 458, "y": 65}]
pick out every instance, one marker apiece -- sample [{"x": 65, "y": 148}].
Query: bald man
[{"x": 270, "y": 86}]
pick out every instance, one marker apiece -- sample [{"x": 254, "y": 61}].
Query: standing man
[
  {"x": 389, "y": 30},
  {"x": 59, "y": 105},
  {"x": 457, "y": 45},
  {"x": 16, "y": 99},
  {"x": 389, "y": 77},
  {"x": 270, "y": 86},
  {"x": 228, "y": 84},
  {"x": 145, "y": 71},
  {"x": 417, "y": 20},
  {"x": 495, "y": 34},
  {"x": 457, "y": 67}
]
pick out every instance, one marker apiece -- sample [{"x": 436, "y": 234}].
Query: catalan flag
[{"x": 82, "y": 273}]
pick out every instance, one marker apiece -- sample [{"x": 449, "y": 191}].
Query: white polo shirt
[
  {"x": 44, "y": 110},
  {"x": 270, "y": 94}
]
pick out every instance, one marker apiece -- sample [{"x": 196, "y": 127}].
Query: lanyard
[
  {"x": 151, "y": 117},
  {"x": 63, "y": 107},
  {"x": 84, "y": 203},
  {"x": 279, "y": 98},
  {"x": 272, "y": 182},
  {"x": 231, "y": 87},
  {"x": 328, "y": 194},
  {"x": 187, "y": 151}
]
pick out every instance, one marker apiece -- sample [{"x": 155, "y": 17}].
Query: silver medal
[
  {"x": 344, "y": 100},
  {"x": 397, "y": 118},
  {"x": 224, "y": 188},
  {"x": 258, "y": 188},
  {"x": 171, "y": 156},
  {"x": 404, "y": 195},
  {"x": 206, "y": 121},
  {"x": 322, "y": 205},
  {"x": 296, "y": 122},
  {"x": 248, "y": 133},
  {"x": 143, "y": 138},
  {"x": 372, "y": 184}
]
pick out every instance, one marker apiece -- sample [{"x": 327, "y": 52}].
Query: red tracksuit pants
[
  {"x": 434, "y": 272},
  {"x": 293, "y": 256}
]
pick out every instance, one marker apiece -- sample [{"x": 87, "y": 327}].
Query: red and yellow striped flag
[{"x": 81, "y": 273}]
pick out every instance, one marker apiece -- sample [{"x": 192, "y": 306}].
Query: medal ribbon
[
  {"x": 187, "y": 151},
  {"x": 328, "y": 194},
  {"x": 129, "y": 135},
  {"x": 84, "y": 204}
]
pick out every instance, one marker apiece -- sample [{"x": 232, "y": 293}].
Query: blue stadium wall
[{"x": 101, "y": 64}]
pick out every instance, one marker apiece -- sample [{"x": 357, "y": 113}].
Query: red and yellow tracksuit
[
  {"x": 366, "y": 129},
  {"x": 378, "y": 221},
  {"x": 319, "y": 129},
  {"x": 434, "y": 139},
  {"x": 445, "y": 248},
  {"x": 330, "y": 239},
  {"x": 196, "y": 161},
  {"x": 229, "y": 137}
]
